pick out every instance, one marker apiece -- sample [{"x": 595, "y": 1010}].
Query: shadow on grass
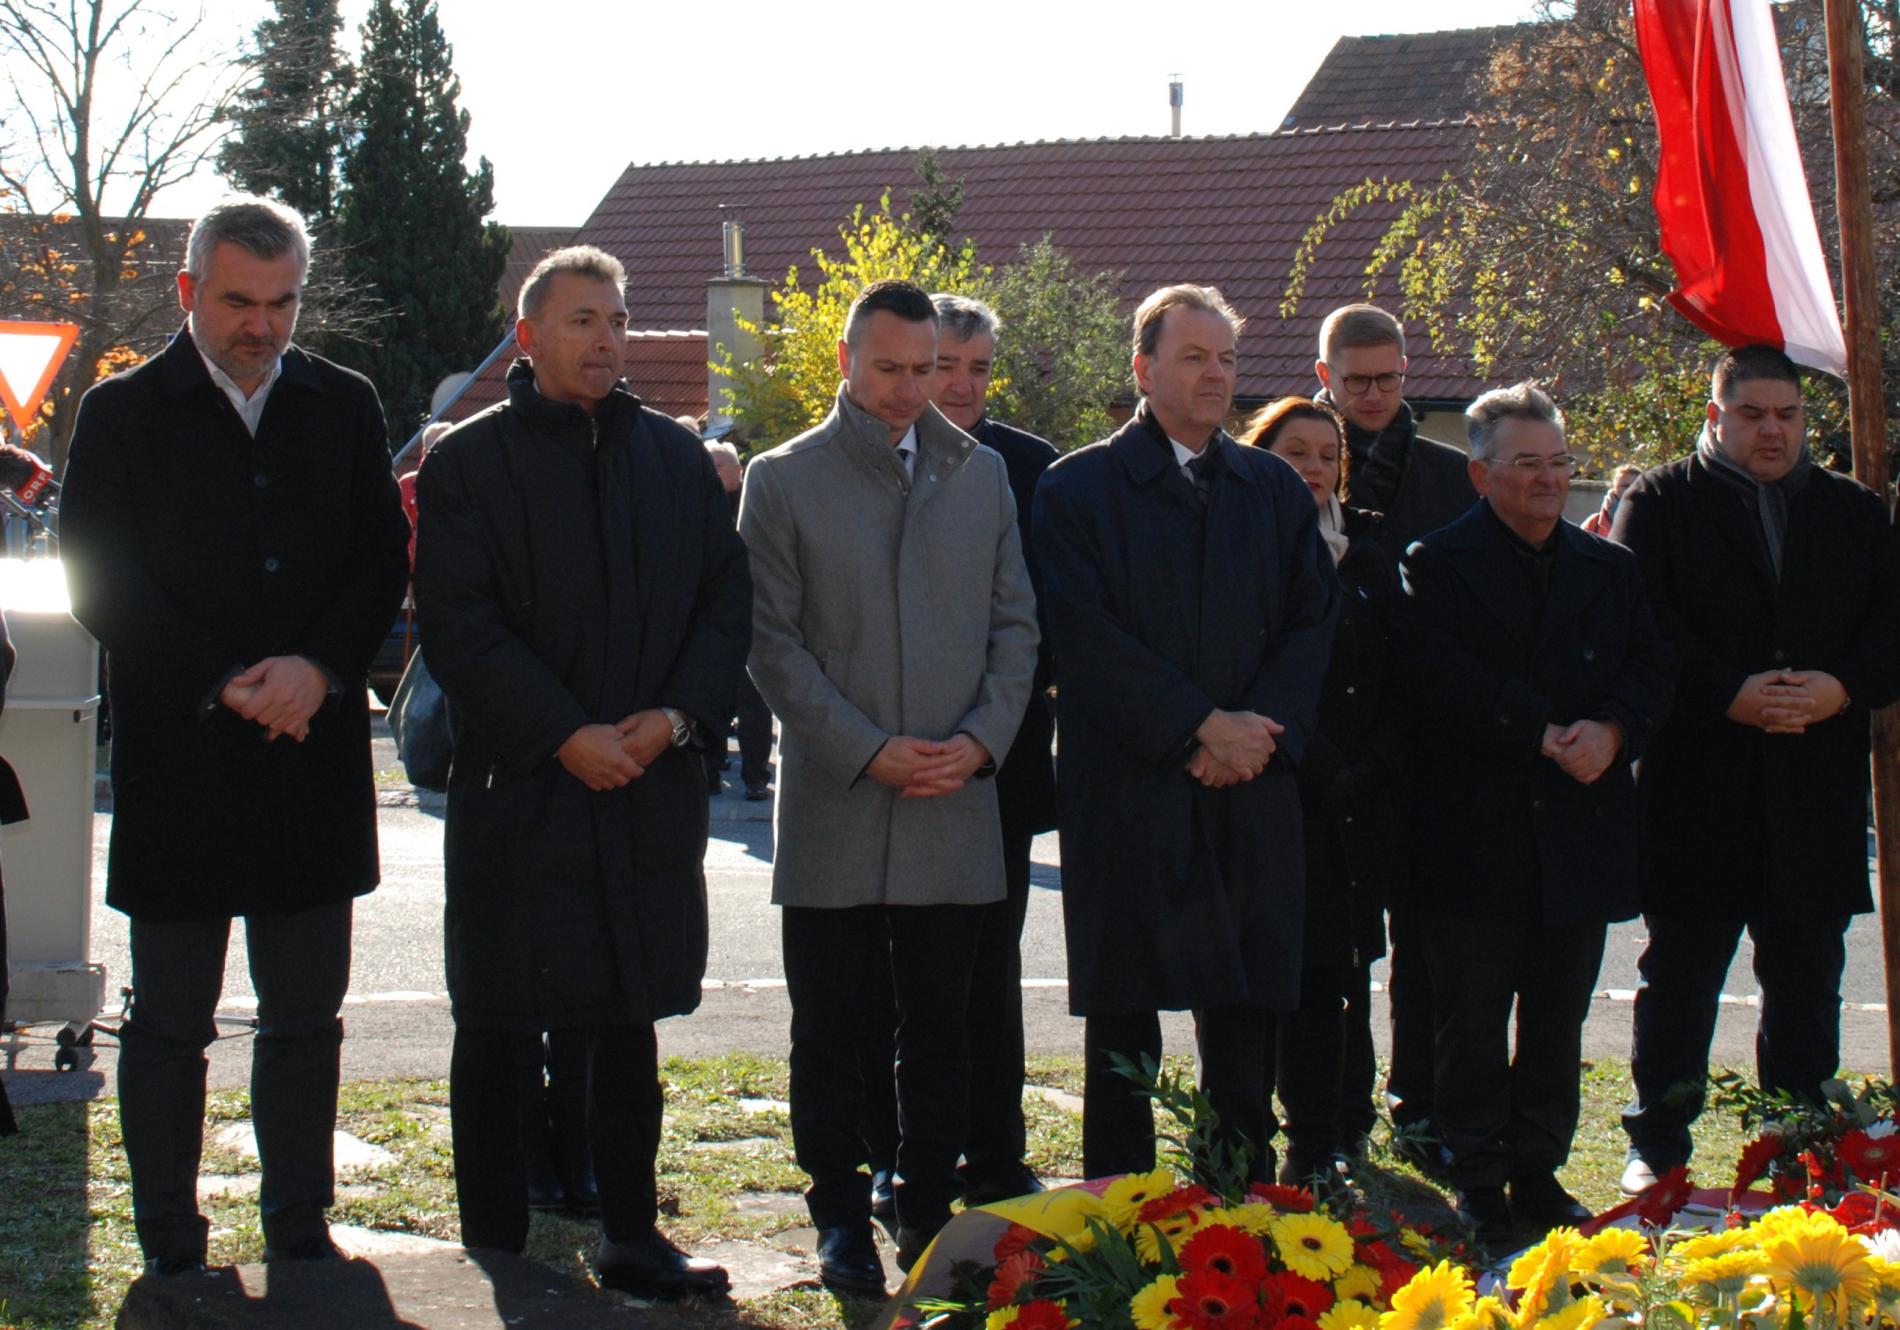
[{"x": 45, "y": 1218}]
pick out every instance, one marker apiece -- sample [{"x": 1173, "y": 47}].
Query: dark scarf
[
  {"x": 1378, "y": 460},
  {"x": 1769, "y": 501}
]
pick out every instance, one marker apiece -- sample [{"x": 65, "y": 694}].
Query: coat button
[
  {"x": 1781, "y": 657},
  {"x": 261, "y": 480},
  {"x": 1504, "y": 720},
  {"x": 1350, "y": 690},
  {"x": 271, "y": 565},
  {"x": 1349, "y": 819},
  {"x": 1537, "y": 805},
  {"x": 1589, "y": 653}
]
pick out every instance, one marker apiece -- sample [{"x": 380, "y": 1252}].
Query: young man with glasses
[
  {"x": 1540, "y": 675},
  {"x": 1417, "y": 485}
]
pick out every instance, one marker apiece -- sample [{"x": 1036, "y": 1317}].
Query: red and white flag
[{"x": 1732, "y": 198}]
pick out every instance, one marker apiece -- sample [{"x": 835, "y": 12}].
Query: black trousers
[
  {"x": 487, "y": 1116},
  {"x": 300, "y": 965},
  {"x": 1307, "y": 1062},
  {"x": 1358, "y": 1112},
  {"x": 1507, "y": 1113},
  {"x": 755, "y": 735},
  {"x": 1408, "y": 1085},
  {"x": 927, "y": 951},
  {"x": 1798, "y": 963},
  {"x": 1231, "y": 1045},
  {"x": 7, "y": 1125}
]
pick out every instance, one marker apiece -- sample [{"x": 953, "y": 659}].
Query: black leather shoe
[
  {"x": 1019, "y": 1181},
  {"x": 650, "y": 1266},
  {"x": 757, "y": 794},
  {"x": 1540, "y": 1202},
  {"x": 318, "y": 1248},
  {"x": 1486, "y": 1212},
  {"x": 911, "y": 1243},
  {"x": 171, "y": 1267},
  {"x": 848, "y": 1260},
  {"x": 883, "y": 1195}
]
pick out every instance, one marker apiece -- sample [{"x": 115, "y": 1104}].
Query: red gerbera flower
[
  {"x": 1293, "y": 1200},
  {"x": 1873, "y": 1159},
  {"x": 1043, "y": 1314},
  {"x": 1287, "y": 1294},
  {"x": 1225, "y": 1250},
  {"x": 1296, "y": 1323},
  {"x": 1657, "y": 1206},
  {"x": 1757, "y": 1155},
  {"x": 1210, "y": 1300},
  {"x": 1012, "y": 1273},
  {"x": 1181, "y": 1199},
  {"x": 1016, "y": 1237}
]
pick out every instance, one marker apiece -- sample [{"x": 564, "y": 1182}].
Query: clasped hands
[
  {"x": 1584, "y": 749},
  {"x": 606, "y": 757},
  {"x": 1787, "y": 701},
  {"x": 1234, "y": 746},
  {"x": 927, "y": 768},
  {"x": 281, "y": 693}
]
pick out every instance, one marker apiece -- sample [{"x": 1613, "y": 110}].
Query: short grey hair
[
  {"x": 1520, "y": 401},
  {"x": 720, "y": 448},
  {"x": 265, "y": 227},
  {"x": 580, "y": 260},
  {"x": 961, "y": 318}
]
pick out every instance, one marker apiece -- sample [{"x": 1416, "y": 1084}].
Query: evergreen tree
[
  {"x": 409, "y": 222},
  {"x": 288, "y": 126}
]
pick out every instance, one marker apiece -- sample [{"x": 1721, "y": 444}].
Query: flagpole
[{"x": 1867, "y": 407}]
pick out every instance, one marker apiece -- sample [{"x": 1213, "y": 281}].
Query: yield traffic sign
[{"x": 30, "y": 355}]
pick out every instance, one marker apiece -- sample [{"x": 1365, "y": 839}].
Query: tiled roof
[
  {"x": 666, "y": 369},
  {"x": 528, "y": 246},
  {"x": 1406, "y": 76},
  {"x": 1229, "y": 211}
]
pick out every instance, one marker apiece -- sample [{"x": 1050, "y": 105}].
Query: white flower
[
  {"x": 1884, "y": 1244},
  {"x": 1883, "y": 1128}
]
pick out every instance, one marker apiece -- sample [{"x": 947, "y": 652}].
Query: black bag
[{"x": 423, "y": 729}]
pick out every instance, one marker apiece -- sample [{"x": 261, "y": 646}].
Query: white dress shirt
[
  {"x": 907, "y": 452},
  {"x": 250, "y": 409}
]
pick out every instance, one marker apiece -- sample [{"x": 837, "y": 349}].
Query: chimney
[
  {"x": 1174, "y": 105},
  {"x": 730, "y": 297}
]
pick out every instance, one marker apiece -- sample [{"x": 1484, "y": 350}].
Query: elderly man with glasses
[{"x": 1540, "y": 675}]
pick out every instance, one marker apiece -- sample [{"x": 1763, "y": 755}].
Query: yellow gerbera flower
[
  {"x": 1725, "y": 1273},
  {"x": 1150, "y": 1306},
  {"x": 1712, "y": 1244},
  {"x": 1361, "y": 1282},
  {"x": 1313, "y": 1246},
  {"x": 1126, "y": 1195},
  {"x": 1542, "y": 1275},
  {"x": 1818, "y": 1263},
  {"x": 1487, "y": 1313},
  {"x": 1002, "y": 1318},
  {"x": 1349, "y": 1314},
  {"x": 1253, "y": 1218},
  {"x": 1611, "y": 1253},
  {"x": 1176, "y": 1229},
  {"x": 1579, "y": 1315},
  {"x": 1433, "y": 1299}
]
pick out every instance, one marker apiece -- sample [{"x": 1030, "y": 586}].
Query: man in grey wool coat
[{"x": 894, "y": 635}]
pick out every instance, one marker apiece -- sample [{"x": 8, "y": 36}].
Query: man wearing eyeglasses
[
  {"x": 1540, "y": 675},
  {"x": 1418, "y": 485}
]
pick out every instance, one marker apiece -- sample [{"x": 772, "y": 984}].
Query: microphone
[{"x": 30, "y": 479}]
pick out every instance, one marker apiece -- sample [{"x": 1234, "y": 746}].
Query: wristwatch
[{"x": 682, "y": 727}]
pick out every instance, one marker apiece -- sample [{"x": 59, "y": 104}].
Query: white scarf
[{"x": 1332, "y": 527}]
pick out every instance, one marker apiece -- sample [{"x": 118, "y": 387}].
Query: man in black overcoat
[
  {"x": 586, "y": 607},
  {"x": 12, "y": 809},
  {"x": 1776, "y": 581},
  {"x": 233, "y": 537},
  {"x": 1419, "y": 485},
  {"x": 1539, "y": 676},
  {"x": 1190, "y": 606}
]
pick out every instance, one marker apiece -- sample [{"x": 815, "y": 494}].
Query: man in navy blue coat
[{"x": 1190, "y": 605}]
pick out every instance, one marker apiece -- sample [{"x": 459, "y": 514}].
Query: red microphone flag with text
[{"x": 1731, "y": 194}]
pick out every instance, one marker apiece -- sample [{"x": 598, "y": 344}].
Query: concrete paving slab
[
  {"x": 447, "y": 1289},
  {"x": 1062, "y": 1099},
  {"x": 758, "y": 1271},
  {"x": 768, "y": 1204},
  {"x": 351, "y": 1153}
]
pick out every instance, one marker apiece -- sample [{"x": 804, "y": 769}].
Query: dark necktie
[{"x": 1203, "y": 482}]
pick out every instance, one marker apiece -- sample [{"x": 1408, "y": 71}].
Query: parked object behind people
[
  {"x": 1539, "y": 677},
  {"x": 237, "y": 646},
  {"x": 1776, "y": 581}
]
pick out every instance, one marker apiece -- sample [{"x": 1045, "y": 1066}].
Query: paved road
[{"x": 399, "y": 1024}]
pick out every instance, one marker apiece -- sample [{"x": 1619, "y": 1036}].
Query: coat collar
[
  {"x": 1489, "y": 569},
  {"x": 1142, "y": 448},
  {"x": 526, "y": 398},
  {"x": 941, "y": 447},
  {"x": 183, "y": 368}
]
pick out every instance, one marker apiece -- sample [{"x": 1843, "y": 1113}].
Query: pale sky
[{"x": 563, "y": 94}]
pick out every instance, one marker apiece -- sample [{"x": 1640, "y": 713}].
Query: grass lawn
[{"x": 67, "y": 1249}]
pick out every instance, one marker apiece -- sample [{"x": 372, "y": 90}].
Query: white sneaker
[{"x": 1638, "y": 1177}]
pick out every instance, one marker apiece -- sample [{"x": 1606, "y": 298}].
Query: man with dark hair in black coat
[
  {"x": 1776, "y": 581},
  {"x": 1540, "y": 677},
  {"x": 233, "y": 537},
  {"x": 587, "y": 609},
  {"x": 1419, "y": 485}
]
